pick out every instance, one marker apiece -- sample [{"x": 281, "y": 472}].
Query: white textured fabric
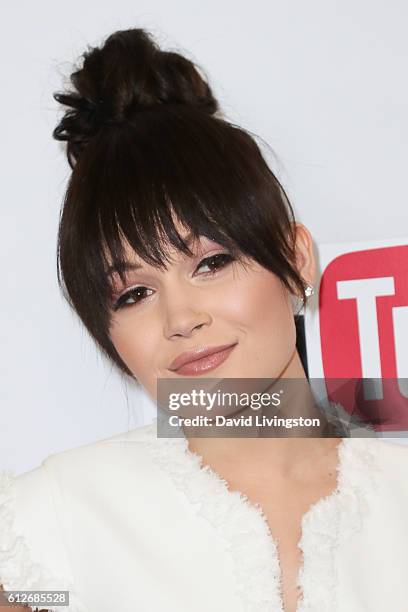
[{"x": 137, "y": 523}]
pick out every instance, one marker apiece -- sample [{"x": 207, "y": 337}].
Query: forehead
[
  {"x": 132, "y": 261},
  {"x": 186, "y": 235}
]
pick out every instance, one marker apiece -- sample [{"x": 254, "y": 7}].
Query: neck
[{"x": 280, "y": 450}]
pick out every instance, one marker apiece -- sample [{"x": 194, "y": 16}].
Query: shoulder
[
  {"x": 390, "y": 453},
  {"x": 392, "y": 457},
  {"x": 38, "y": 506},
  {"x": 385, "y": 454},
  {"x": 384, "y": 462},
  {"x": 106, "y": 457},
  {"x": 94, "y": 451}
]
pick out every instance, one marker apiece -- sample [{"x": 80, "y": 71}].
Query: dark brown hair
[{"x": 147, "y": 144}]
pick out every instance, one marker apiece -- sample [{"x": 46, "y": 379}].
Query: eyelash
[{"x": 121, "y": 301}]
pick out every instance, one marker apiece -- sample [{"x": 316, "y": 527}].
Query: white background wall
[{"x": 323, "y": 82}]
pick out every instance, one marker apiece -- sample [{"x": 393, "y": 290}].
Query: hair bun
[{"x": 128, "y": 73}]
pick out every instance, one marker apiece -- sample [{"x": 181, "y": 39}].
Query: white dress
[{"x": 135, "y": 523}]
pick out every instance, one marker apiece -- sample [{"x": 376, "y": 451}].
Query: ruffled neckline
[{"x": 244, "y": 529}]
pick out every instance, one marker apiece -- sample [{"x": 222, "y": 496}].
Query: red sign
[{"x": 363, "y": 313}]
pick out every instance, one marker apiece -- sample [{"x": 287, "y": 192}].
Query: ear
[{"x": 305, "y": 259}]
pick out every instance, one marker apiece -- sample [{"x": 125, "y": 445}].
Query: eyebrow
[
  {"x": 123, "y": 267},
  {"x": 127, "y": 266}
]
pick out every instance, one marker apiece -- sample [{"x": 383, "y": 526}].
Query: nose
[{"x": 183, "y": 319}]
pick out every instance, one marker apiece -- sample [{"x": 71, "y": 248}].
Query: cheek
[
  {"x": 135, "y": 343},
  {"x": 258, "y": 301},
  {"x": 274, "y": 312},
  {"x": 273, "y": 304},
  {"x": 264, "y": 310}
]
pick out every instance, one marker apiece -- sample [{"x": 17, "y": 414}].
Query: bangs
[{"x": 171, "y": 167}]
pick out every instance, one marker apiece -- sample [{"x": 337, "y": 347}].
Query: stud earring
[{"x": 309, "y": 290}]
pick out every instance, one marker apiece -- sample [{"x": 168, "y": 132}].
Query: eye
[
  {"x": 215, "y": 262},
  {"x": 136, "y": 294}
]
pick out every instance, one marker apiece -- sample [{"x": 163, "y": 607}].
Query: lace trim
[
  {"x": 18, "y": 571},
  {"x": 334, "y": 519},
  {"x": 243, "y": 526}
]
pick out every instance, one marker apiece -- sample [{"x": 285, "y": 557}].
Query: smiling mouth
[{"x": 206, "y": 363}]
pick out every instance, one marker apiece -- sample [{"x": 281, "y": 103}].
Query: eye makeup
[{"x": 215, "y": 262}]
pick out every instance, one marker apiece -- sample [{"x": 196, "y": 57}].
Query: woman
[{"x": 179, "y": 251}]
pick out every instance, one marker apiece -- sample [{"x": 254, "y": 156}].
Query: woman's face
[{"x": 200, "y": 302}]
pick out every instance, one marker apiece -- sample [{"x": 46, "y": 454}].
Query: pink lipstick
[{"x": 201, "y": 360}]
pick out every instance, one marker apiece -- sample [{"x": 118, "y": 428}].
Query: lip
[{"x": 201, "y": 360}]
